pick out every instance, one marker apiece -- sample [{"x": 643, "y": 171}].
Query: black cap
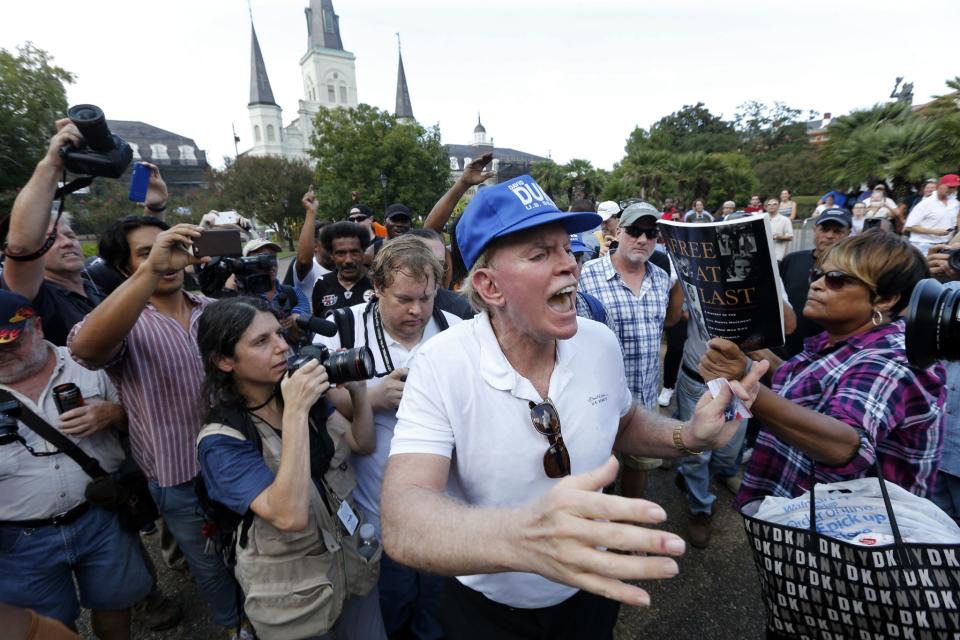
[
  {"x": 836, "y": 214},
  {"x": 398, "y": 209}
]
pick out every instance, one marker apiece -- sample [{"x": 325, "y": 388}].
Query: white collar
[{"x": 497, "y": 371}]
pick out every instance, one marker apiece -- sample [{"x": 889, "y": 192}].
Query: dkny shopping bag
[{"x": 818, "y": 586}]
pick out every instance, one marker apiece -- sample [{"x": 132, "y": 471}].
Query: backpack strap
[
  {"x": 216, "y": 429},
  {"x": 343, "y": 318},
  {"x": 597, "y": 312}
]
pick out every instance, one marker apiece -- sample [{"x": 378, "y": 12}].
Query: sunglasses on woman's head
[
  {"x": 835, "y": 280},
  {"x": 546, "y": 420}
]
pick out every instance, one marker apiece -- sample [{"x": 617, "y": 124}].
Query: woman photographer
[
  {"x": 850, "y": 396},
  {"x": 274, "y": 451}
]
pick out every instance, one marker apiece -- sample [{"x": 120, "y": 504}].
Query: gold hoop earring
[{"x": 877, "y": 318}]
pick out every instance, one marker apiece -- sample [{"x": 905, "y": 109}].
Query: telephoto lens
[
  {"x": 350, "y": 365},
  {"x": 93, "y": 127},
  {"x": 933, "y": 323}
]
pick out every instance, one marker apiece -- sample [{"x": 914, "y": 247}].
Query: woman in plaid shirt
[{"x": 850, "y": 396}]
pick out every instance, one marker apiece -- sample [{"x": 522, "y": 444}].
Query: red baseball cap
[{"x": 950, "y": 180}]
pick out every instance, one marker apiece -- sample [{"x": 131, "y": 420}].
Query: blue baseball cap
[
  {"x": 509, "y": 207},
  {"x": 15, "y": 312},
  {"x": 576, "y": 244}
]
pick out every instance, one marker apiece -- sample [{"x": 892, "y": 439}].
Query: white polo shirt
[
  {"x": 464, "y": 401},
  {"x": 933, "y": 214},
  {"x": 369, "y": 468}
]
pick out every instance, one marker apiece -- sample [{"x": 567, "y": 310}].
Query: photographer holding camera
[
  {"x": 932, "y": 334},
  {"x": 273, "y": 448},
  {"x": 144, "y": 335},
  {"x": 53, "y": 281},
  {"x": 394, "y": 325},
  {"x": 50, "y": 534}
]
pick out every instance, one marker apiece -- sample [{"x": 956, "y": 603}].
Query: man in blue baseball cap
[{"x": 533, "y": 400}]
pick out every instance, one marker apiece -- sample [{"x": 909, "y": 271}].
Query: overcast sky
[{"x": 564, "y": 78}]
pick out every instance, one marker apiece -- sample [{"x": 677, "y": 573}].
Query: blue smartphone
[{"x": 139, "y": 182}]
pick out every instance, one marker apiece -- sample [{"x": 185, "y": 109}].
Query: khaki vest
[{"x": 295, "y": 582}]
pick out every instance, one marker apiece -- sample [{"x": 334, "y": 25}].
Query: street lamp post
[{"x": 383, "y": 183}]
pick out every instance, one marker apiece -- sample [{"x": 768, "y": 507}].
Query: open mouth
[{"x": 562, "y": 301}]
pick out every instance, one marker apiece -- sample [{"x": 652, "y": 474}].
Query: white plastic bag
[{"x": 853, "y": 511}]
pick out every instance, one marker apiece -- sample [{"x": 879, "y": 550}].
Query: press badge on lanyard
[{"x": 348, "y": 518}]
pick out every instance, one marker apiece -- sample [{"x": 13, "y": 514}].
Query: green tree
[
  {"x": 32, "y": 98},
  {"x": 692, "y": 128},
  {"x": 550, "y": 176},
  {"x": 352, "y": 147},
  {"x": 267, "y": 189},
  {"x": 893, "y": 141},
  {"x": 582, "y": 180}
]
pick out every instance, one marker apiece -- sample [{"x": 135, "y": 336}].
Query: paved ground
[{"x": 715, "y": 597}]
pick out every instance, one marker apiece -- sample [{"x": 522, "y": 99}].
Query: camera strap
[
  {"x": 64, "y": 444},
  {"x": 62, "y": 192},
  {"x": 381, "y": 339},
  {"x": 437, "y": 316}
]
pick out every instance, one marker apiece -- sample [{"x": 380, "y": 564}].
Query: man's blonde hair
[{"x": 405, "y": 254}]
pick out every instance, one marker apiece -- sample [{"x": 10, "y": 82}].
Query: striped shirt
[
  {"x": 158, "y": 374},
  {"x": 865, "y": 382},
  {"x": 638, "y": 320}
]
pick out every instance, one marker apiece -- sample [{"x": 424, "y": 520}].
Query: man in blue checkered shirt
[{"x": 636, "y": 293}]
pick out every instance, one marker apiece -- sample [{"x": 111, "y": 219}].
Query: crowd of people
[{"x": 466, "y": 454}]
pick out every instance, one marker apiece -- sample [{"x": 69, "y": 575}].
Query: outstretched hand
[
  {"x": 474, "y": 174},
  {"x": 708, "y": 428},
  {"x": 566, "y": 535}
]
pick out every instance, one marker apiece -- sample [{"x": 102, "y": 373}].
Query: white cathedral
[{"x": 330, "y": 81}]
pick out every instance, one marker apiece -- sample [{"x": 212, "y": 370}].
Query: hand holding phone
[{"x": 218, "y": 242}]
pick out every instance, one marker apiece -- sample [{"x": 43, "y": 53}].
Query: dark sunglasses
[
  {"x": 357, "y": 218},
  {"x": 546, "y": 420},
  {"x": 636, "y": 232},
  {"x": 835, "y": 280}
]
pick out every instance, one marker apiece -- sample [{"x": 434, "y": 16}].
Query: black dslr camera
[
  {"x": 933, "y": 321},
  {"x": 105, "y": 154},
  {"x": 349, "y": 365},
  {"x": 251, "y": 273},
  {"x": 9, "y": 412}
]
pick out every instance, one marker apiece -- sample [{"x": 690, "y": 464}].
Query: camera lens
[
  {"x": 933, "y": 324},
  {"x": 350, "y": 365},
  {"x": 92, "y": 124}
]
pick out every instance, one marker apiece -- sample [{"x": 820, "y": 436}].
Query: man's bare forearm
[
  {"x": 442, "y": 211},
  {"x": 305, "y": 244},
  {"x": 105, "y": 328},
  {"x": 648, "y": 434},
  {"x": 427, "y": 530},
  {"x": 29, "y": 221}
]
